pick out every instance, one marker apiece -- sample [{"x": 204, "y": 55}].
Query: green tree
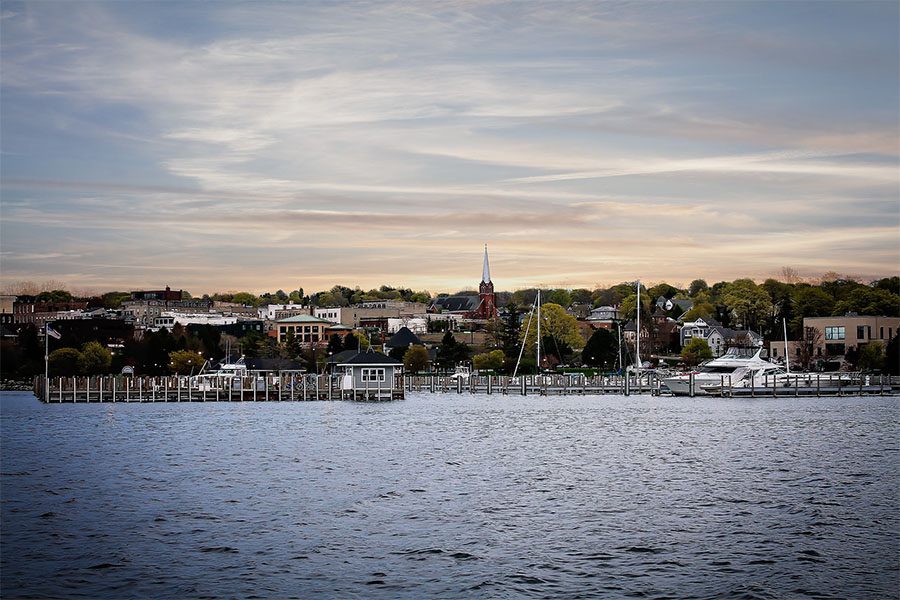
[
  {"x": 555, "y": 323},
  {"x": 492, "y": 360},
  {"x": 704, "y": 310},
  {"x": 872, "y": 357},
  {"x": 695, "y": 351},
  {"x": 869, "y": 301},
  {"x": 64, "y": 362},
  {"x": 55, "y": 296},
  {"x": 560, "y": 296},
  {"x": 697, "y": 286},
  {"x": 450, "y": 352},
  {"x": 662, "y": 289},
  {"x": 415, "y": 359},
  {"x": 749, "y": 302},
  {"x": 601, "y": 350},
  {"x": 185, "y": 361},
  {"x": 95, "y": 359}
]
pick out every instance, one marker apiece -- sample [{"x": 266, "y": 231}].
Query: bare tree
[{"x": 812, "y": 337}]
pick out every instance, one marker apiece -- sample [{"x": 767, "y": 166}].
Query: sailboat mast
[
  {"x": 637, "y": 351},
  {"x": 787, "y": 356},
  {"x": 539, "y": 331}
]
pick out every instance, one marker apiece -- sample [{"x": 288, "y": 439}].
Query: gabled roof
[
  {"x": 457, "y": 303},
  {"x": 371, "y": 358},
  {"x": 304, "y": 319},
  {"x": 341, "y": 357},
  {"x": 403, "y": 337}
]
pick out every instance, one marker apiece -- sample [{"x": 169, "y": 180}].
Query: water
[{"x": 453, "y": 497}]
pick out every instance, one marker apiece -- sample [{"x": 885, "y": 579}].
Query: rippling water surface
[{"x": 452, "y": 496}]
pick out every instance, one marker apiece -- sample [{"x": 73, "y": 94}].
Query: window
[
  {"x": 860, "y": 332},
  {"x": 881, "y": 333},
  {"x": 835, "y": 333},
  {"x": 373, "y": 375}
]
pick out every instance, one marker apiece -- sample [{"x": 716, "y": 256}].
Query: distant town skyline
[{"x": 236, "y": 146}]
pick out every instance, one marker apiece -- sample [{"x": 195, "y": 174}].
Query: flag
[{"x": 53, "y": 333}]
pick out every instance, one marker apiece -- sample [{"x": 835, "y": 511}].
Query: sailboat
[{"x": 536, "y": 307}]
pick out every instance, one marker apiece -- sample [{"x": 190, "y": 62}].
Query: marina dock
[{"x": 310, "y": 387}]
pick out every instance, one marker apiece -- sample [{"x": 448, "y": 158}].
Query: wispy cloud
[{"x": 586, "y": 141}]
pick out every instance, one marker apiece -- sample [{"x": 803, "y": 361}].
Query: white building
[{"x": 274, "y": 312}]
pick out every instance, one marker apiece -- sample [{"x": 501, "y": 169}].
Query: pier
[
  {"x": 309, "y": 387},
  {"x": 180, "y": 388}
]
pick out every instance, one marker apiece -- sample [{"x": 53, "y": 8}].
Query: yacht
[{"x": 736, "y": 365}]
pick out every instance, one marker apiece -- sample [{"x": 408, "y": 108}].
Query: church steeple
[{"x": 487, "y": 305}]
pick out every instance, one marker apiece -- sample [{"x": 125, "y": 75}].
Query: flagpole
[{"x": 46, "y": 362}]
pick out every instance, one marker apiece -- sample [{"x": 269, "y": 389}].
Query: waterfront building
[
  {"x": 307, "y": 329},
  {"x": 370, "y": 371},
  {"x": 833, "y": 337}
]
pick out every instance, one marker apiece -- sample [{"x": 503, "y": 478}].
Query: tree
[
  {"x": 872, "y": 357},
  {"x": 557, "y": 324},
  {"x": 561, "y": 297},
  {"x": 749, "y": 302},
  {"x": 489, "y": 361},
  {"x": 628, "y": 307},
  {"x": 185, "y": 361},
  {"x": 697, "y": 286},
  {"x": 704, "y": 310},
  {"x": 601, "y": 350},
  {"x": 95, "y": 359},
  {"x": 810, "y": 340},
  {"x": 662, "y": 289},
  {"x": 416, "y": 358},
  {"x": 335, "y": 344},
  {"x": 696, "y": 351},
  {"x": 809, "y": 301},
  {"x": 892, "y": 356},
  {"x": 64, "y": 362},
  {"x": 869, "y": 301},
  {"x": 451, "y": 352}
]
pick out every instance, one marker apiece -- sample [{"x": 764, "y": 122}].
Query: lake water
[{"x": 453, "y": 497}]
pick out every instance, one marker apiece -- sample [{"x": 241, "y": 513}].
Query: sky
[{"x": 215, "y": 146}]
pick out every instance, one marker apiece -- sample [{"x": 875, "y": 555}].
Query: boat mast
[
  {"x": 637, "y": 350},
  {"x": 524, "y": 338},
  {"x": 538, "y": 331},
  {"x": 787, "y": 356}
]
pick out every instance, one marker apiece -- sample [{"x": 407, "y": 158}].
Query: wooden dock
[
  {"x": 180, "y": 388},
  {"x": 308, "y": 387},
  {"x": 536, "y": 385}
]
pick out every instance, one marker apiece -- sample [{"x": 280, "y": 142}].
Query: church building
[{"x": 487, "y": 304}]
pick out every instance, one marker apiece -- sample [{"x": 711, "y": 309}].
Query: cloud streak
[{"x": 586, "y": 142}]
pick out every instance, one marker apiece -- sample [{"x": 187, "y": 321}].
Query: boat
[{"x": 736, "y": 365}]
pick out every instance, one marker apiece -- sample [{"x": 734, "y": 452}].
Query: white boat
[{"x": 736, "y": 365}]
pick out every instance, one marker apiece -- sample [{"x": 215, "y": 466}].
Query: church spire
[{"x": 486, "y": 272}]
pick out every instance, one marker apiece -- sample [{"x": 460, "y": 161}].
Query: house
[
  {"x": 604, "y": 316},
  {"x": 371, "y": 376},
  {"x": 721, "y": 338},
  {"x": 307, "y": 329},
  {"x": 668, "y": 304}
]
